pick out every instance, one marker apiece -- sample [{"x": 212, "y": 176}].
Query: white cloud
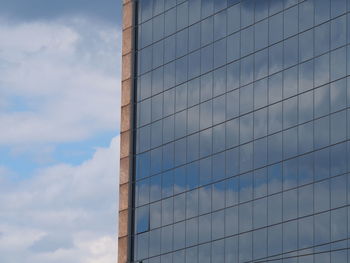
[
  {"x": 59, "y": 82},
  {"x": 63, "y": 214},
  {"x": 66, "y": 72}
]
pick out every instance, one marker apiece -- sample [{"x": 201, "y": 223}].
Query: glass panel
[
  {"x": 322, "y": 101},
  {"x": 245, "y": 217},
  {"x": 192, "y": 232},
  {"x": 204, "y": 225},
  {"x": 245, "y": 247},
  {"x": 275, "y": 88},
  {"x": 194, "y": 37},
  {"x": 338, "y": 224},
  {"x": 179, "y": 207},
  {"x": 290, "y": 113},
  {"x": 274, "y": 210},
  {"x": 233, "y": 47},
  {"x": 261, "y": 64},
  {"x": 217, "y": 227},
  {"x": 220, "y": 53},
  {"x": 275, "y": 58},
  {"x": 322, "y": 196},
  {"x": 158, "y": 55},
  {"x": 247, "y": 70},
  {"x": 338, "y": 159},
  {"x": 290, "y": 204},
  {"x": 306, "y": 232},
  {"x": 246, "y": 128},
  {"x": 220, "y": 23},
  {"x": 322, "y": 70},
  {"x": 259, "y": 244},
  {"x": 290, "y": 86},
  {"x": 260, "y": 212},
  {"x": 321, "y": 132},
  {"x": 142, "y": 219},
  {"x": 275, "y": 148},
  {"x": 219, "y": 81},
  {"x": 338, "y": 127},
  {"x": 218, "y": 195},
  {"x": 338, "y": 7},
  {"x": 246, "y": 99},
  {"x": 247, "y": 12},
  {"x": 290, "y": 143},
  {"x": 306, "y": 107},
  {"x": 182, "y": 15},
  {"x": 219, "y": 138},
  {"x": 338, "y": 32},
  {"x": 290, "y": 54},
  {"x": 167, "y": 211},
  {"x": 194, "y": 9},
  {"x": 245, "y": 187},
  {"x": 207, "y": 29},
  {"x": 274, "y": 240},
  {"x": 275, "y": 28},
  {"x": 246, "y": 157},
  {"x": 218, "y": 251},
  {"x": 260, "y": 152},
  {"x": 306, "y": 49},
  {"x": 247, "y": 41},
  {"x": 338, "y": 95},
  {"x": 275, "y": 117},
  {"x": 260, "y": 93},
  {"x": 306, "y": 76},
  {"x": 260, "y": 182},
  {"x": 154, "y": 242},
  {"x": 290, "y": 25},
  {"x": 322, "y": 164},
  {"x": 305, "y": 169},
  {"x": 233, "y": 18},
  {"x": 166, "y": 239},
  {"x": 261, "y": 34},
  {"x": 338, "y": 191},
  {"x": 290, "y": 236},
  {"x": 306, "y": 200},
  {"x": 322, "y": 228},
  {"x": 305, "y": 137},
  {"x": 322, "y": 37},
  {"x": 338, "y": 63},
  {"x": 290, "y": 173},
  {"x": 261, "y": 9},
  {"x": 306, "y": 15}
]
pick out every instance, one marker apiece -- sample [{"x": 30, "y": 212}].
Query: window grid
[{"x": 278, "y": 98}]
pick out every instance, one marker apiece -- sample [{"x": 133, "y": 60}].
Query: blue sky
[{"x": 59, "y": 130}]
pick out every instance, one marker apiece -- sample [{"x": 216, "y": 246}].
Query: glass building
[{"x": 241, "y": 131}]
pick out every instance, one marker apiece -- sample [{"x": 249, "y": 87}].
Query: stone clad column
[{"x": 126, "y": 132}]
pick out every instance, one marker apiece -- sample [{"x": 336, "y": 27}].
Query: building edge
[{"x": 126, "y": 134}]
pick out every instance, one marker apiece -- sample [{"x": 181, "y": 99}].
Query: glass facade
[{"x": 242, "y": 131}]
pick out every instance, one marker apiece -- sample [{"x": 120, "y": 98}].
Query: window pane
[
  {"x": 338, "y": 32},
  {"x": 246, "y": 128},
  {"x": 275, "y": 28},
  {"x": 338, "y": 63},
  {"x": 290, "y": 25},
  {"x": 322, "y": 36}
]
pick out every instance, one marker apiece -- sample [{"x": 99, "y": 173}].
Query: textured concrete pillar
[{"x": 126, "y": 132}]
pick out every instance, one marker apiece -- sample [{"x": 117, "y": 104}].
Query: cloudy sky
[{"x": 59, "y": 126}]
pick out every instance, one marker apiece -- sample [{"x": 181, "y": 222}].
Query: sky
[{"x": 59, "y": 130}]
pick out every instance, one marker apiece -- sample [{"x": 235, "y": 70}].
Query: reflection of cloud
[{"x": 235, "y": 220}]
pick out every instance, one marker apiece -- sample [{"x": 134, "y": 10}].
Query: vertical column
[{"x": 126, "y": 132}]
